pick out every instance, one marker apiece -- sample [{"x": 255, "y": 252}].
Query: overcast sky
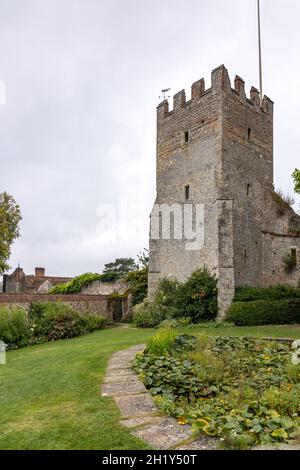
[{"x": 83, "y": 79}]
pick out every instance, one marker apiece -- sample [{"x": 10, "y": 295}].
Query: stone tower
[{"x": 215, "y": 156}]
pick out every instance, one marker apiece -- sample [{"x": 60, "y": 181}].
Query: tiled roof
[{"x": 34, "y": 282}]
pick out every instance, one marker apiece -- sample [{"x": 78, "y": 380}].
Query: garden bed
[{"x": 244, "y": 390}]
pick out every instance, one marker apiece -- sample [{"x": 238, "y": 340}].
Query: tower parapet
[{"x": 220, "y": 81}]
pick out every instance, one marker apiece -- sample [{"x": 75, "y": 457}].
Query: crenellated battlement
[{"x": 220, "y": 83}]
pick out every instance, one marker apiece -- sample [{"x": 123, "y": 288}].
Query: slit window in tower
[
  {"x": 294, "y": 256},
  {"x": 186, "y": 136},
  {"x": 187, "y": 192}
]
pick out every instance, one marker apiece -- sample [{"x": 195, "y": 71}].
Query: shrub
[
  {"x": 148, "y": 315},
  {"x": 262, "y": 312},
  {"x": 40, "y": 310},
  {"x": 278, "y": 292},
  {"x": 14, "y": 328},
  {"x": 54, "y": 320},
  {"x": 166, "y": 293},
  {"x": 197, "y": 297}
]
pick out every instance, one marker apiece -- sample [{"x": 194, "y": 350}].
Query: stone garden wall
[{"x": 96, "y": 304}]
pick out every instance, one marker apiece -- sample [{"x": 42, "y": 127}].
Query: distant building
[{"x": 38, "y": 283}]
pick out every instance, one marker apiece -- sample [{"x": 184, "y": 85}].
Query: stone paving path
[{"x": 139, "y": 412}]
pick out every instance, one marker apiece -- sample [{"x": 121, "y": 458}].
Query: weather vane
[{"x": 164, "y": 94}]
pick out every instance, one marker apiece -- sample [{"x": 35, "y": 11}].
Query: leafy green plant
[
  {"x": 238, "y": 388},
  {"x": 296, "y": 177},
  {"x": 262, "y": 312},
  {"x": 14, "y": 328},
  {"x": 168, "y": 376},
  {"x": 148, "y": 315}
]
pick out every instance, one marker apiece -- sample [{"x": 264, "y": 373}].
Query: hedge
[
  {"x": 278, "y": 292},
  {"x": 262, "y": 312}
]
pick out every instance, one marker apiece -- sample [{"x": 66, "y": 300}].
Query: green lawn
[
  {"x": 50, "y": 394},
  {"x": 277, "y": 331}
]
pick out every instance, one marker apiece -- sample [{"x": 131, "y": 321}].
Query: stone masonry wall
[
  {"x": 247, "y": 171},
  {"x": 105, "y": 288},
  {"x": 276, "y": 246}
]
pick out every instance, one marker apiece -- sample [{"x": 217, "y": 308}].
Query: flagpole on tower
[{"x": 260, "y": 54}]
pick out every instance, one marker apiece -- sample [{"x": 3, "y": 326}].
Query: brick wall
[{"x": 96, "y": 304}]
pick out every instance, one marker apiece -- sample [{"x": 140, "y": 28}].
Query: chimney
[{"x": 40, "y": 272}]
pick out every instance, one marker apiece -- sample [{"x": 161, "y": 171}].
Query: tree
[
  {"x": 118, "y": 268},
  {"x": 10, "y": 217},
  {"x": 296, "y": 176},
  {"x": 143, "y": 259},
  {"x": 138, "y": 284}
]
